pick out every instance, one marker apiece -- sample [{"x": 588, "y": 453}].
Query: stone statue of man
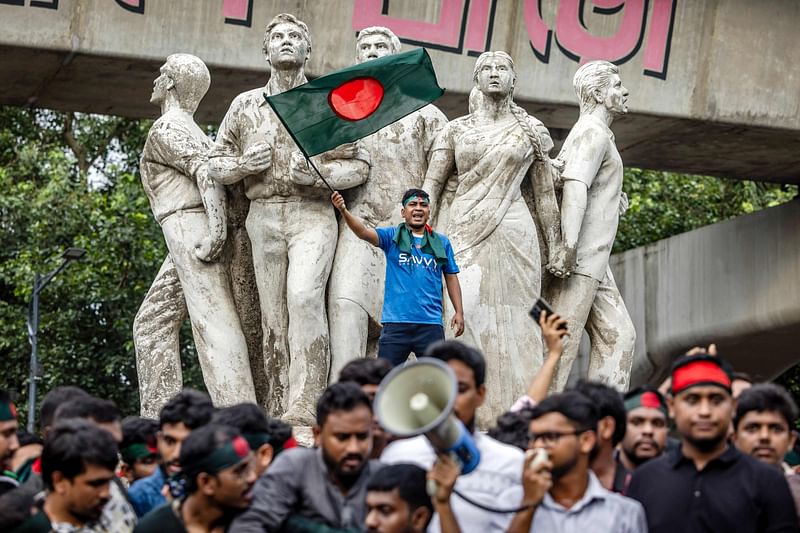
[
  {"x": 290, "y": 223},
  {"x": 399, "y": 160},
  {"x": 191, "y": 211},
  {"x": 584, "y": 291}
]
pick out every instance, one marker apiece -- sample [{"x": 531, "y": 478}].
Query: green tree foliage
[
  {"x": 48, "y": 204},
  {"x": 663, "y": 204}
]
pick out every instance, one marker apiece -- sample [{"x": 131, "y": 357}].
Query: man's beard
[
  {"x": 345, "y": 477},
  {"x": 562, "y": 470},
  {"x": 639, "y": 460},
  {"x": 707, "y": 444}
]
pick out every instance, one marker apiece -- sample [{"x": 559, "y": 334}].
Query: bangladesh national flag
[{"x": 356, "y": 101}]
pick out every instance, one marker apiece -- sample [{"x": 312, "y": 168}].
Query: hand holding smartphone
[{"x": 542, "y": 305}]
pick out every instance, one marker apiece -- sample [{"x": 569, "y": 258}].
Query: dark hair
[
  {"x": 279, "y": 432},
  {"x": 413, "y": 192},
  {"x": 74, "y": 443},
  {"x": 189, "y": 407},
  {"x": 246, "y": 417},
  {"x": 340, "y": 397},
  {"x": 15, "y": 507},
  {"x": 743, "y": 376},
  {"x": 455, "y": 350},
  {"x": 201, "y": 443},
  {"x": 409, "y": 480},
  {"x": 609, "y": 403},
  {"x": 55, "y": 398},
  {"x": 250, "y": 418},
  {"x": 138, "y": 430},
  {"x": 366, "y": 370},
  {"x": 90, "y": 407},
  {"x": 26, "y": 438},
  {"x": 512, "y": 428},
  {"x": 766, "y": 397},
  {"x": 576, "y": 407},
  {"x": 5, "y": 397}
]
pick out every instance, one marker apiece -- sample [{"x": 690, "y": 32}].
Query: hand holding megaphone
[
  {"x": 536, "y": 476},
  {"x": 442, "y": 479}
]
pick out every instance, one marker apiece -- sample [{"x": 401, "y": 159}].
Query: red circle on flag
[{"x": 356, "y": 99}]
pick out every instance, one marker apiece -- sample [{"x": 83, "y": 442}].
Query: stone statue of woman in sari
[{"x": 494, "y": 150}]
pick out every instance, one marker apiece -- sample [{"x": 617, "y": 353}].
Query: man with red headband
[
  {"x": 647, "y": 420},
  {"x": 416, "y": 259},
  {"x": 706, "y": 484},
  {"x": 8, "y": 441},
  {"x": 218, "y": 474}
]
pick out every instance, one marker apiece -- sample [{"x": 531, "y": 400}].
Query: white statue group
[{"x": 521, "y": 225}]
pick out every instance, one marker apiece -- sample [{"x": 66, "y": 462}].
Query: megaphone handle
[{"x": 431, "y": 486}]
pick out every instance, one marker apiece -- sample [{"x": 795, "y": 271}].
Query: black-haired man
[
  {"x": 368, "y": 373},
  {"x": 765, "y": 416},
  {"x": 8, "y": 442},
  {"x": 707, "y": 484},
  {"x": 416, "y": 259},
  {"x": 326, "y": 485},
  {"x": 646, "y": 428},
  {"x": 562, "y": 493},
  {"x": 259, "y": 431},
  {"x": 185, "y": 412},
  {"x": 500, "y": 463},
  {"x": 218, "y": 471},
  {"x": 398, "y": 501},
  {"x": 78, "y": 462},
  {"x": 138, "y": 449},
  {"x": 104, "y": 413},
  {"x": 610, "y": 432}
]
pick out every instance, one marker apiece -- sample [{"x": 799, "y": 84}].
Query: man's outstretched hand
[{"x": 338, "y": 201}]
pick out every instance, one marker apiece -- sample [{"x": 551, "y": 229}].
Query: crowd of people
[{"x": 711, "y": 451}]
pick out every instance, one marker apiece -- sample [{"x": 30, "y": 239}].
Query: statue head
[
  {"x": 287, "y": 42},
  {"x": 494, "y": 74},
  {"x": 597, "y": 83},
  {"x": 184, "y": 77},
  {"x": 375, "y": 42}
]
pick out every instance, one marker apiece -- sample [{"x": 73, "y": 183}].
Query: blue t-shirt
[{"x": 413, "y": 290}]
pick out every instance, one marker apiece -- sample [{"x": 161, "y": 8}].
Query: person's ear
[
  {"x": 60, "y": 482},
  {"x": 481, "y": 394},
  {"x": 264, "y": 456},
  {"x": 317, "y": 431},
  {"x": 792, "y": 438},
  {"x": 598, "y": 96},
  {"x": 606, "y": 427},
  {"x": 420, "y": 518},
  {"x": 671, "y": 406},
  {"x": 587, "y": 441},
  {"x": 206, "y": 484}
]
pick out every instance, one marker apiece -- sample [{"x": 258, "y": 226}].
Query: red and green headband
[
  {"x": 138, "y": 450},
  {"x": 695, "y": 370},
  {"x": 646, "y": 398},
  {"x": 227, "y": 456},
  {"x": 8, "y": 411}
]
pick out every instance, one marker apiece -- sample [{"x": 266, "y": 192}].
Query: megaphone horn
[{"x": 417, "y": 399}]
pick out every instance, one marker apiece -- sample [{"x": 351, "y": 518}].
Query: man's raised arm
[{"x": 353, "y": 222}]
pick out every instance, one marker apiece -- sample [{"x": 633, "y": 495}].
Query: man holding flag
[
  {"x": 290, "y": 224},
  {"x": 399, "y": 160}
]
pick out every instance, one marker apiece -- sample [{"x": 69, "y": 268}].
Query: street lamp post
[{"x": 39, "y": 283}]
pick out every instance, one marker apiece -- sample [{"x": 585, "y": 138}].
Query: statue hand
[
  {"x": 257, "y": 158},
  {"x": 299, "y": 170},
  {"x": 343, "y": 151},
  {"x": 562, "y": 261},
  {"x": 558, "y": 164},
  {"x": 209, "y": 248},
  {"x": 623, "y": 203}
]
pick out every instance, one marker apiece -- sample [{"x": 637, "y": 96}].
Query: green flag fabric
[{"x": 356, "y": 101}]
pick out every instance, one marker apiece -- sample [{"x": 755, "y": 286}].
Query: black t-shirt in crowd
[
  {"x": 733, "y": 493},
  {"x": 163, "y": 519}
]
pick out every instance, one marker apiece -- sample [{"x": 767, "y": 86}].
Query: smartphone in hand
[{"x": 538, "y": 307}]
